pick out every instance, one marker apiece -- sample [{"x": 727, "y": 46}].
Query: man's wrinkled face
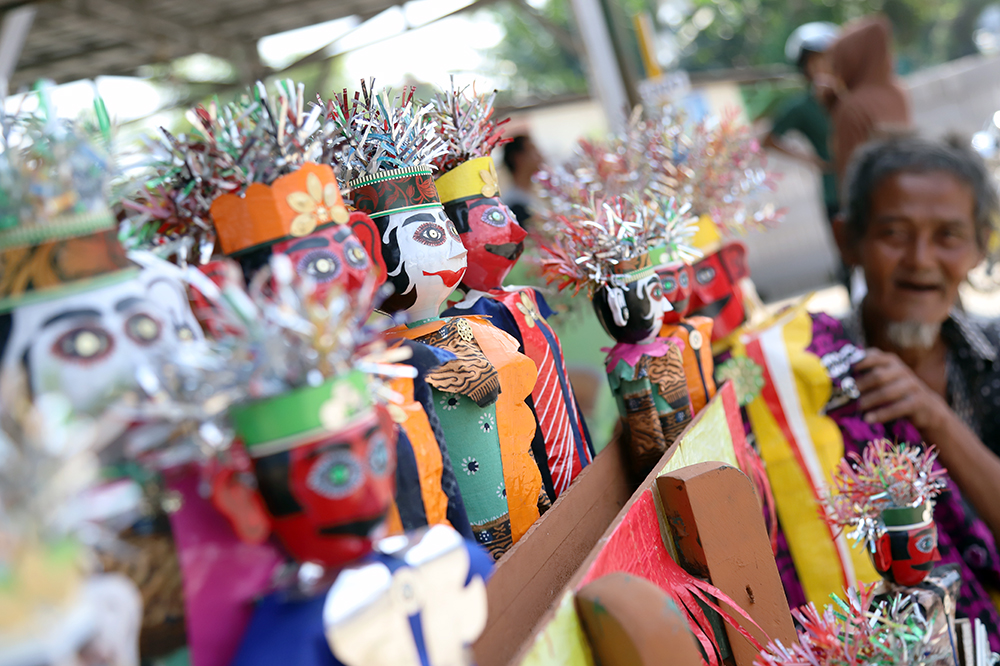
[
  {"x": 715, "y": 291},
  {"x": 331, "y": 255},
  {"x": 494, "y": 240},
  {"x": 87, "y": 345},
  {"x": 676, "y": 279},
  {"x": 906, "y": 557},
  {"x": 328, "y": 496},
  {"x": 919, "y": 245}
]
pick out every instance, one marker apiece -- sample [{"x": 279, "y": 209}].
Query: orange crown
[{"x": 293, "y": 205}]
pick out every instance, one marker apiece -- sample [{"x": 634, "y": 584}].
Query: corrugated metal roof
[{"x": 77, "y": 39}]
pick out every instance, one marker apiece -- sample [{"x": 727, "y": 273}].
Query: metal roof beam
[
  {"x": 138, "y": 27},
  {"x": 112, "y": 60}
]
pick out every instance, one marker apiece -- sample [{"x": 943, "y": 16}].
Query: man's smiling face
[{"x": 919, "y": 245}]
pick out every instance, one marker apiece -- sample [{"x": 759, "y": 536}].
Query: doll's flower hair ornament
[
  {"x": 257, "y": 139},
  {"x": 857, "y": 631},
  {"x": 467, "y": 125},
  {"x": 607, "y": 240},
  {"x": 886, "y": 476},
  {"x": 724, "y": 173},
  {"x": 638, "y": 161},
  {"x": 376, "y": 131}
]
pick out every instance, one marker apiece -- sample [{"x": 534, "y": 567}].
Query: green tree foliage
[
  {"x": 753, "y": 32},
  {"x": 533, "y": 62}
]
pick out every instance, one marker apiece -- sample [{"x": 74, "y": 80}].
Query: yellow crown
[
  {"x": 707, "y": 238},
  {"x": 469, "y": 180}
]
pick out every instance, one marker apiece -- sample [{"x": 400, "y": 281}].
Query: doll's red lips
[{"x": 450, "y": 278}]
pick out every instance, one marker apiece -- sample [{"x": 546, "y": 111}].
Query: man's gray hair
[{"x": 876, "y": 161}]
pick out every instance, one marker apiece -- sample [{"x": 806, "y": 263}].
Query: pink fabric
[
  {"x": 222, "y": 575},
  {"x": 632, "y": 353}
]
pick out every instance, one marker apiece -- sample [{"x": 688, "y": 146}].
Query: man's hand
[{"x": 890, "y": 390}]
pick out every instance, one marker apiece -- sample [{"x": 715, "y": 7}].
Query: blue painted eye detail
[
  {"x": 925, "y": 544},
  {"x": 495, "y": 217},
  {"x": 335, "y": 475},
  {"x": 704, "y": 275},
  {"x": 683, "y": 279},
  {"x": 320, "y": 265}
]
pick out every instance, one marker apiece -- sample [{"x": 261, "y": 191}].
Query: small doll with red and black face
[
  {"x": 324, "y": 460},
  {"x": 887, "y": 497},
  {"x": 906, "y": 553}
]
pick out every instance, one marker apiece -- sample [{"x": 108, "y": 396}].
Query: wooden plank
[
  {"x": 629, "y": 621},
  {"x": 719, "y": 532},
  {"x": 708, "y": 436},
  {"x": 529, "y": 578}
]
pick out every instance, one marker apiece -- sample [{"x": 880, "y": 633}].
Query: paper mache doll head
[{"x": 468, "y": 186}]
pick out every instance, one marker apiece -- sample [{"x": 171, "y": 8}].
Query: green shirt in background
[{"x": 805, "y": 114}]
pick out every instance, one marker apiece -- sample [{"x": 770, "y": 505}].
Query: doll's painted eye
[
  {"x": 378, "y": 455},
  {"x": 495, "y": 217},
  {"x": 683, "y": 279},
  {"x": 142, "y": 328},
  {"x": 320, "y": 265},
  {"x": 656, "y": 292},
  {"x": 356, "y": 256},
  {"x": 429, "y": 234},
  {"x": 925, "y": 544},
  {"x": 335, "y": 475},
  {"x": 668, "y": 284},
  {"x": 185, "y": 333},
  {"x": 86, "y": 344},
  {"x": 453, "y": 230},
  {"x": 705, "y": 275}
]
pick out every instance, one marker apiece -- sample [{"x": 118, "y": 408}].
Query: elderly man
[{"x": 919, "y": 217}]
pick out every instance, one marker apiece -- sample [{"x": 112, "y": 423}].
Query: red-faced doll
[{"x": 494, "y": 239}]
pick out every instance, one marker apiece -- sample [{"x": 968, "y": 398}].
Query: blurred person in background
[
  {"x": 806, "y": 47},
  {"x": 523, "y": 160},
  {"x": 865, "y": 98},
  {"x": 919, "y": 216}
]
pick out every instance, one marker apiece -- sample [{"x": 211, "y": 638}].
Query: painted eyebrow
[
  {"x": 420, "y": 217},
  {"x": 307, "y": 243},
  {"x": 127, "y": 302},
  {"x": 71, "y": 314},
  {"x": 482, "y": 202}
]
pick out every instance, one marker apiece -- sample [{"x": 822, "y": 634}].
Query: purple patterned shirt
[{"x": 963, "y": 538}]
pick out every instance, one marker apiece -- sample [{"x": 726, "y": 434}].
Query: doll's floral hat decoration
[
  {"x": 861, "y": 630},
  {"x": 57, "y": 233},
  {"x": 886, "y": 497},
  {"x": 387, "y": 147},
  {"x": 249, "y": 174},
  {"x": 608, "y": 240}
]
